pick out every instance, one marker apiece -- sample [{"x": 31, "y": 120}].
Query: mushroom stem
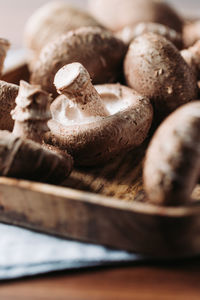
[
  {"x": 74, "y": 81},
  {"x": 22, "y": 158},
  {"x": 31, "y": 113},
  {"x": 8, "y": 94},
  {"x": 4, "y": 46}
]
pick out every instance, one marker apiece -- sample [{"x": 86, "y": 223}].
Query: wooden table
[{"x": 156, "y": 282}]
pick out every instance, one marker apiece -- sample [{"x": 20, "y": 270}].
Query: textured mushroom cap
[
  {"x": 155, "y": 68},
  {"x": 52, "y": 20},
  {"x": 129, "y": 33},
  {"x": 191, "y": 33},
  {"x": 99, "y": 139},
  {"x": 172, "y": 165},
  {"x": 26, "y": 159},
  {"x": 8, "y": 93},
  {"x": 115, "y": 14},
  {"x": 97, "y": 50}
]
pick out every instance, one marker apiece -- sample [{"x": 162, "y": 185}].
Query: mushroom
[
  {"x": 32, "y": 112},
  {"x": 172, "y": 164},
  {"x": 116, "y": 14},
  {"x": 51, "y": 21},
  {"x": 8, "y": 93},
  {"x": 130, "y": 32},
  {"x": 94, "y": 124},
  {"x": 192, "y": 58},
  {"x": 4, "y": 46},
  {"x": 98, "y": 50},
  {"x": 25, "y": 159},
  {"x": 154, "y": 68},
  {"x": 191, "y": 33}
]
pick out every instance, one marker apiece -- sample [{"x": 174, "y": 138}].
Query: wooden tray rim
[{"x": 97, "y": 199}]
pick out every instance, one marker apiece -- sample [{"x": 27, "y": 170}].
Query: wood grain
[
  {"x": 137, "y": 227},
  {"x": 137, "y": 282}
]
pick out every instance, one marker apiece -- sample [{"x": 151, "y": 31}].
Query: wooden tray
[{"x": 104, "y": 207}]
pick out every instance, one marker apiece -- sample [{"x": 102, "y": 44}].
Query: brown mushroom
[
  {"x": 52, "y": 20},
  {"x": 98, "y": 50},
  {"x": 4, "y": 46},
  {"x": 172, "y": 165},
  {"x": 95, "y": 128},
  {"x": 192, "y": 58},
  {"x": 8, "y": 93},
  {"x": 116, "y": 14},
  {"x": 31, "y": 113},
  {"x": 130, "y": 32},
  {"x": 25, "y": 159},
  {"x": 191, "y": 33},
  {"x": 154, "y": 68}
]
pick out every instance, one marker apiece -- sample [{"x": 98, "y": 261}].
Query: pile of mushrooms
[{"x": 101, "y": 84}]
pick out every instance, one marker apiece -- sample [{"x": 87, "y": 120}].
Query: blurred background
[{"x": 14, "y": 14}]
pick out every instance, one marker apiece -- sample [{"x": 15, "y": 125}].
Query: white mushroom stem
[
  {"x": 31, "y": 113},
  {"x": 74, "y": 82},
  {"x": 192, "y": 57},
  {"x": 4, "y": 46}
]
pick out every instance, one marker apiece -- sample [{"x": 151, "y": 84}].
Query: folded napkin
[{"x": 26, "y": 253}]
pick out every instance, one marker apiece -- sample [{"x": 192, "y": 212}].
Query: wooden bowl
[{"x": 104, "y": 205}]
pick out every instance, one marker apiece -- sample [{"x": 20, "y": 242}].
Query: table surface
[
  {"x": 156, "y": 282},
  {"x": 159, "y": 282}
]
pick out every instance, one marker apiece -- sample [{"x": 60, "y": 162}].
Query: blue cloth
[{"x": 26, "y": 253}]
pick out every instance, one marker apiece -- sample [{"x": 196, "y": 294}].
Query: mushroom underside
[{"x": 95, "y": 139}]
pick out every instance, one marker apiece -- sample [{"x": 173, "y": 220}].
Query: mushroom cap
[
  {"x": 52, "y": 20},
  {"x": 97, "y": 140},
  {"x": 129, "y": 33},
  {"x": 192, "y": 57},
  {"x": 155, "y": 68},
  {"x": 25, "y": 159},
  {"x": 8, "y": 93},
  {"x": 172, "y": 164},
  {"x": 97, "y": 50},
  {"x": 189, "y": 58},
  {"x": 191, "y": 33},
  {"x": 116, "y": 14}
]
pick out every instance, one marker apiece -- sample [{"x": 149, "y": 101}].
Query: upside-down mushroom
[{"x": 94, "y": 124}]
